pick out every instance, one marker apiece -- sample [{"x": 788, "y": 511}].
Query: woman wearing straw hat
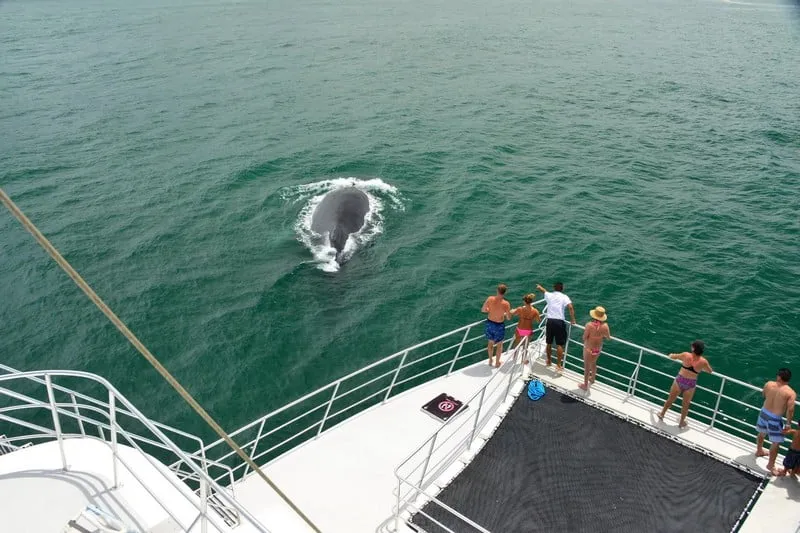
[{"x": 593, "y": 334}]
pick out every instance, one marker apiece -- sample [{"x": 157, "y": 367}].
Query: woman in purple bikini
[{"x": 692, "y": 363}]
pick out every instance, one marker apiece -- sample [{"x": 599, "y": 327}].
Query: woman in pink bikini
[
  {"x": 527, "y": 314},
  {"x": 593, "y": 335},
  {"x": 692, "y": 363}
]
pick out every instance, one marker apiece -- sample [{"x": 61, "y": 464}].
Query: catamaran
[{"x": 428, "y": 439}]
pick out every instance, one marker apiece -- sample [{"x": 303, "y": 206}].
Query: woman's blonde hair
[{"x": 528, "y": 298}]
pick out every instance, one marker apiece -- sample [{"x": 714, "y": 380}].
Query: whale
[{"x": 340, "y": 213}]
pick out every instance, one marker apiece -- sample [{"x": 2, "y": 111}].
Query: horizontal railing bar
[
  {"x": 275, "y": 429},
  {"x": 734, "y": 400},
  {"x": 747, "y": 433},
  {"x": 666, "y": 357},
  {"x": 415, "y": 376},
  {"x": 604, "y": 378},
  {"x": 61, "y": 408},
  {"x": 306, "y": 430},
  {"x": 656, "y": 371},
  {"x": 434, "y": 354},
  {"x": 366, "y": 384},
  {"x": 470, "y": 354},
  {"x": 114, "y": 393},
  {"x": 337, "y": 413},
  {"x": 101, "y": 403},
  {"x": 276, "y": 412}
]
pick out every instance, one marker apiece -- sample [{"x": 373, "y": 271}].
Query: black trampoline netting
[{"x": 560, "y": 465}]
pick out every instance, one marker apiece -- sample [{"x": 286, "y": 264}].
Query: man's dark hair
[
  {"x": 558, "y": 286},
  {"x": 698, "y": 347},
  {"x": 785, "y": 375},
  {"x": 502, "y": 288}
]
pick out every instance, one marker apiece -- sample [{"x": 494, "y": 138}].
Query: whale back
[{"x": 340, "y": 213}]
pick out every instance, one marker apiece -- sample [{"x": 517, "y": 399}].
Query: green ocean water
[{"x": 647, "y": 154}]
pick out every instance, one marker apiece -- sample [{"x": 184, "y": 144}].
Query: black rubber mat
[{"x": 560, "y": 465}]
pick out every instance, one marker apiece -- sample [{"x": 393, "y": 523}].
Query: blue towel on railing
[{"x": 535, "y": 389}]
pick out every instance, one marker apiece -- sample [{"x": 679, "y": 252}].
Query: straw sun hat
[{"x": 599, "y": 313}]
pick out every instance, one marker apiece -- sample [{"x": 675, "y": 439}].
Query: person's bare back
[
  {"x": 778, "y": 398},
  {"x": 595, "y": 333},
  {"x": 527, "y": 314},
  {"x": 497, "y": 307}
]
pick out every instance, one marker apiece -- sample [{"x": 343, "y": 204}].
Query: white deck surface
[
  {"x": 344, "y": 480},
  {"x": 39, "y": 496}
]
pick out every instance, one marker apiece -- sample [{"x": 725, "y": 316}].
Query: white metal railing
[
  {"x": 721, "y": 402},
  {"x": 634, "y": 369},
  {"x": 268, "y": 437},
  {"x": 34, "y": 408},
  {"x": 448, "y": 443}
]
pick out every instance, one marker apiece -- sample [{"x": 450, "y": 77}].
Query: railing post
[
  {"x": 566, "y": 347},
  {"x": 428, "y": 459},
  {"x": 56, "y": 421},
  {"x": 396, "y": 373},
  {"x": 477, "y": 417},
  {"x": 112, "y": 421},
  {"x": 253, "y": 449},
  {"x": 397, "y": 509},
  {"x": 328, "y": 409},
  {"x": 77, "y": 413},
  {"x": 635, "y": 377},
  {"x": 716, "y": 407},
  {"x": 203, "y": 505},
  {"x": 511, "y": 371},
  {"x": 458, "y": 352}
]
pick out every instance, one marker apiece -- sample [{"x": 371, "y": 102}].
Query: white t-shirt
[{"x": 556, "y": 302}]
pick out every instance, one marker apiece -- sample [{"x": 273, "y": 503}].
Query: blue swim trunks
[
  {"x": 771, "y": 424},
  {"x": 495, "y": 331}
]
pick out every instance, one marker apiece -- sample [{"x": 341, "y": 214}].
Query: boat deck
[
  {"x": 365, "y": 450},
  {"x": 344, "y": 480},
  {"x": 32, "y": 480},
  {"x": 558, "y": 464}
]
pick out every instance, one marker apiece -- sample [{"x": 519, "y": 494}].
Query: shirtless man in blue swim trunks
[
  {"x": 779, "y": 398},
  {"x": 499, "y": 311}
]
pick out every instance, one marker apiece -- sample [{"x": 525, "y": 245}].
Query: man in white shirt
[{"x": 556, "y": 325}]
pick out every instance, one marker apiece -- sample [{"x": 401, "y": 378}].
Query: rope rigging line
[{"x": 142, "y": 349}]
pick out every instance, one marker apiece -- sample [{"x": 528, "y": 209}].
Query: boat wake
[{"x": 379, "y": 194}]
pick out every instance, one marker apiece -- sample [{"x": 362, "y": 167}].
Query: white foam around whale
[{"x": 379, "y": 194}]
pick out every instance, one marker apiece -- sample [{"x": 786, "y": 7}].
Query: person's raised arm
[
  {"x": 571, "y": 313},
  {"x": 708, "y": 368},
  {"x": 540, "y": 288},
  {"x": 676, "y": 355},
  {"x": 515, "y": 311},
  {"x": 485, "y": 308}
]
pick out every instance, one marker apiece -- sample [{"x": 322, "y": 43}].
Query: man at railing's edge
[
  {"x": 499, "y": 310},
  {"x": 556, "y": 325},
  {"x": 779, "y": 397}
]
